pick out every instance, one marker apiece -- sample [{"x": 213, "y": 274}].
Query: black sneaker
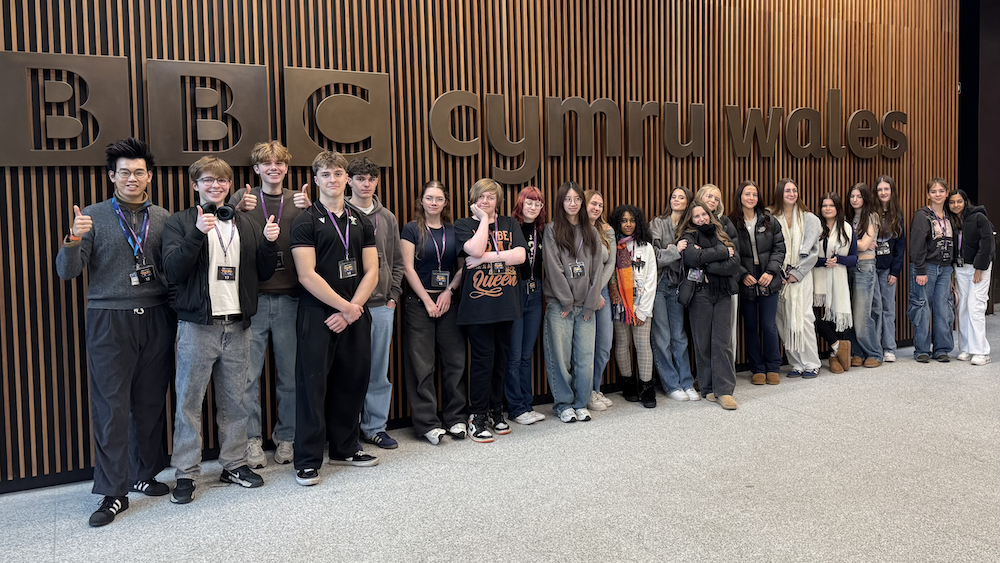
[
  {"x": 359, "y": 459},
  {"x": 499, "y": 425},
  {"x": 943, "y": 358},
  {"x": 110, "y": 507},
  {"x": 242, "y": 476},
  {"x": 183, "y": 492},
  {"x": 477, "y": 429},
  {"x": 150, "y": 487},
  {"x": 923, "y": 358},
  {"x": 307, "y": 477}
]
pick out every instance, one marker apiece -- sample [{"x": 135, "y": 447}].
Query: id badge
[
  {"x": 944, "y": 245},
  {"x": 958, "y": 260},
  {"x": 281, "y": 262},
  {"x": 348, "y": 269},
  {"x": 532, "y": 286},
  {"x": 883, "y": 248},
  {"x": 226, "y": 273},
  {"x": 440, "y": 279},
  {"x": 696, "y": 275},
  {"x": 577, "y": 270},
  {"x": 498, "y": 268},
  {"x": 142, "y": 274}
]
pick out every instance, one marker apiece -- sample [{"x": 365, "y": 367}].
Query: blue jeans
[
  {"x": 931, "y": 302},
  {"x": 604, "y": 338},
  {"x": 670, "y": 342},
  {"x": 569, "y": 356},
  {"x": 275, "y": 318},
  {"x": 866, "y": 308},
  {"x": 887, "y": 320},
  {"x": 379, "y": 395},
  {"x": 523, "y": 335}
]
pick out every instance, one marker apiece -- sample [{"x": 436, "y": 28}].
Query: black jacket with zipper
[
  {"x": 770, "y": 253},
  {"x": 185, "y": 263},
  {"x": 978, "y": 247}
]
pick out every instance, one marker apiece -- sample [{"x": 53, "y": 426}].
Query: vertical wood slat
[{"x": 760, "y": 53}]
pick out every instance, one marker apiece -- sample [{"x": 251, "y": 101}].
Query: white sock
[{"x": 835, "y": 346}]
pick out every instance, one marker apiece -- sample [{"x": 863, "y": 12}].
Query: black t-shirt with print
[
  {"x": 313, "y": 229},
  {"x": 426, "y": 259},
  {"x": 532, "y": 241},
  {"x": 490, "y": 297}
]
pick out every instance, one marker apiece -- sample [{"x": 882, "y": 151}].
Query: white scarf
[
  {"x": 794, "y": 299},
  {"x": 830, "y": 286}
]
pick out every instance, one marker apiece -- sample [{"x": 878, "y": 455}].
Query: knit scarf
[
  {"x": 831, "y": 289},
  {"x": 624, "y": 309},
  {"x": 794, "y": 300}
]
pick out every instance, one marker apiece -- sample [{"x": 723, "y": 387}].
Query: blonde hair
[
  {"x": 214, "y": 166},
  {"x": 600, "y": 224},
  {"x": 486, "y": 185},
  {"x": 271, "y": 150},
  {"x": 329, "y": 160},
  {"x": 721, "y": 209}
]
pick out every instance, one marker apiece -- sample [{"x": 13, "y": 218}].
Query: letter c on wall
[{"x": 440, "y": 122}]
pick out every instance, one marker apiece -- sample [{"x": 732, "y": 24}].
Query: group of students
[{"x": 320, "y": 280}]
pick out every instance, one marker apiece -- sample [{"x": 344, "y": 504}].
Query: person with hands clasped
[
  {"x": 430, "y": 317},
  {"x": 333, "y": 245},
  {"x": 838, "y": 253},
  {"x": 890, "y": 249},
  {"x": 130, "y": 328},
  {"x": 713, "y": 267},
  {"x": 633, "y": 290},
  {"x": 491, "y": 300},
  {"x": 277, "y": 302},
  {"x": 215, "y": 256},
  {"x": 973, "y": 267},
  {"x": 572, "y": 284}
]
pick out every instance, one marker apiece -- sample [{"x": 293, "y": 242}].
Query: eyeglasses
[
  {"x": 533, "y": 204},
  {"x": 209, "y": 181},
  {"x": 432, "y": 199},
  {"x": 573, "y": 200},
  {"x": 125, "y": 173}
]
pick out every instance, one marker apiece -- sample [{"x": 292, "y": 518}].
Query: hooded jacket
[
  {"x": 978, "y": 246},
  {"x": 390, "y": 256}
]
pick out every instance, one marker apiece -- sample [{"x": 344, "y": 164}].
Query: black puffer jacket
[
  {"x": 770, "y": 252},
  {"x": 721, "y": 269},
  {"x": 978, "y": 247}
]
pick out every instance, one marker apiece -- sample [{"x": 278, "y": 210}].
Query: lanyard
[
  {"x": 133, "y": 238},
  {"x": 941, "y": 221},
  {"x": 496, "y": 235},
  {"x": 225, "y": 246},
  {"x": 444, "y": 243},
  {"x": 281, "y": 207},
  {"x": 534, "y": 250},
  {"x": 345, "y": 237}
]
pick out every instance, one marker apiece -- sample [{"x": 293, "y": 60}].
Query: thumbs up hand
[
  {"x": 271, "y": 229},
  {"x": 302, "y": 197},
  {"x": 81, "y": 223},
  {"x": 205, "y": 222},
  {"x": 249, "y": 201}
]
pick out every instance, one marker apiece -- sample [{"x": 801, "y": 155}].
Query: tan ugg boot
[
  {"x": 773, "y": 378},
  {"x": 835, "y": 366},
  {"x": 727, "y": 402},
  {"x": 758, "y": 379},
  {"x": 844, "y": 354}
]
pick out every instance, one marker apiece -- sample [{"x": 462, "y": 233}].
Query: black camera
[{"x": 224, "y": 213}]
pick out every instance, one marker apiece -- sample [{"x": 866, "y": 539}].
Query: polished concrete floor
[{"x": 899, "y": 463}]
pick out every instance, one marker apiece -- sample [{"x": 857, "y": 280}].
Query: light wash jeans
[
  {"x": 866, "y": 308},
  {"x": 275, "y": 318},
  {"x": 603, "y": 338},
  {"x": 670, "y": 341},
  {"x": 887, "y": 321},
  {"x": 379, "y": 395},
  {"x": 569, "y": 356},
  {"x": 199, "y": 348},
  {"x": 972, "y": 301},
  {"x": 931, "y": 303}
]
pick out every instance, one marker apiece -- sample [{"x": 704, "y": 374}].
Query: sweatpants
[
  {"x": 489, "y": 343},
  {"x": 130, "y": 357},
  {"x": 711, "y": 329},
  {"x": 331, "y": 379}
]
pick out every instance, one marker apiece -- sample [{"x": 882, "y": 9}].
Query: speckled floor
[{"x": 899, "y": 463}]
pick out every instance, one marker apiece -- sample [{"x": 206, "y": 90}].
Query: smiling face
[
  {"x": 956, "y": 203},
  {"x": 699, "y": 216},
  {"x": 712, "y": 198},
  {"x": 595, "y": 207},
  {"x": 884, "y": 191},
  {"x": 572, "y": 203},
  {"x": 212, "y": 189},
  {"x": 790, "y": 194},
  {"x": 828, "y": 209},
  {"x": 272, "y": 173},
  {"x": 628, "y": 224},
  {"x": 331, "y": 182},
  {"x": 131, "y": 176},
  {"x": 748, "y": 199},
  {"x": 937, "y": 194},
  {"x": 531, "y": 209},
  {"x": 678, "y": 200}
]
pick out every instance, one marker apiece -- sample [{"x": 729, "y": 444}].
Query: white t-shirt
[{"x": 225, "y": 295}]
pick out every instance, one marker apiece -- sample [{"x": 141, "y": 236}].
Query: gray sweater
[
  {"x": 390, "y": 256},
  {"x": 668, "y": 258},
  {"x": 569, "y": 292},
  {"x": 106, "y": 254},
  {"x": 808, "y": 252}
]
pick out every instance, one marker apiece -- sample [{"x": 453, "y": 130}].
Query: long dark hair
[
  {"x": 563, "y": 229},
  {"x": 687, "y": 224},
  {"x": 687, "y": 193},
  {"x": 891, "y": 211},
  {"x": 841, "y": 225},
  {"x": 736, "y": 215},
  {"x": 867, "y": 208},
  {"x": 778, "y": 207},
  {"x": 641, "y": 234},
  {"x": 421, "y": 220}
]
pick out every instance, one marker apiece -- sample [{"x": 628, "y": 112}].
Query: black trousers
[
  {"x": 489, "y": 344},
  {"x": 712, "y": 333},
  {"x": 825, "y": 329},
  {"x": 331, "y": 379},
  {"x": 130, "y": 357}
]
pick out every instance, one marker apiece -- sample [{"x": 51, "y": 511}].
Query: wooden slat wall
[{"x": 753, "y": 53}]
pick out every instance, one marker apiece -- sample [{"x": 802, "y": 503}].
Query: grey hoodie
[
  {"x": 668, "y": 258},
  {"x": 390, "y": 256},
  {"x": 559, "y": 287}
]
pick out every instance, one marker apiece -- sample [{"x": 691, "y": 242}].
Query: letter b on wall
[{"x": 70, "y": 105}]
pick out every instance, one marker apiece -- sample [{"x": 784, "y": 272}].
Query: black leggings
[{"x": 826, "y": 329}]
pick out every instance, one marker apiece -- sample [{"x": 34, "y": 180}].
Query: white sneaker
[
  {"x": 964, "y": 357},
  {"x": 457, "y": 431},
  {"x": 434, "y": 435},
  {"x": 568, "y": 415},
  {"x": 980, "y": 360},
  {"x": 596, "y": 404},
  {"x": 285, "y": 452},
  {"x": 692, "y": 394},
  {"x": 255, "y": 453},
  {"x": 538, "y": 416},
  {"x": 526, "y": 418},
  {"x": 679, "y": 395},
  {"x": 583, "y": 415},
  {"x": 607, "y": 402},
  {"x": 889, "y": 357}
]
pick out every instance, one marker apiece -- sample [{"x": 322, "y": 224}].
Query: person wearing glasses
[
  {"x": 130, "y": 328},
  {"x": 216, "y": 257}
]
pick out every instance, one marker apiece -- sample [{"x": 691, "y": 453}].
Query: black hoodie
[{"x": 978, "y": 245}]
